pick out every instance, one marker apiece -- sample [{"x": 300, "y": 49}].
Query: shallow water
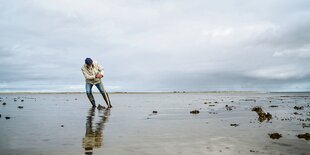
[{"x": 65, "y": 124}]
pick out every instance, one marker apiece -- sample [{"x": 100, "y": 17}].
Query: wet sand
[{"x": 222, "y": 123}]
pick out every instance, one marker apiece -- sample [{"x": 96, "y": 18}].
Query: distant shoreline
[{"x": 173, "y": 92}]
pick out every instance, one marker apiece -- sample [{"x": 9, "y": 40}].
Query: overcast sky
[{"x": 156, "y": 45}]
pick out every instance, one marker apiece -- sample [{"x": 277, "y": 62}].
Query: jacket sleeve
[
  {"x": 100, "y": 69},
  {"x": 87, "y": 76}
]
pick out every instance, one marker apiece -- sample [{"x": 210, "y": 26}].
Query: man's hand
[{"x": 99, "y": 76}]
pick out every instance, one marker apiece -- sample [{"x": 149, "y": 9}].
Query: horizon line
[{"x": 147, "y": 92}]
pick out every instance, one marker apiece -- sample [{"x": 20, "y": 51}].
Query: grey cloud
[{"x": 156, "y": 45}]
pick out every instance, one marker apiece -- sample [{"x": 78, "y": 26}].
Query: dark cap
[{"x": 88, "y": 61}]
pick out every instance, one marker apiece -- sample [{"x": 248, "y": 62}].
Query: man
[{"x": 93, "y": 72}]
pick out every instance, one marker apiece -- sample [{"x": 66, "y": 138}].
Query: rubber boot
[
  {"x": 91, "y": 99},
  {"x": 106, "y": 98}
]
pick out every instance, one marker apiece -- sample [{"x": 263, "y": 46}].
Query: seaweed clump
[
  {"x": 275, "y": 135},
  {"x": 262, "y": 116},
  {"x": 306, "y": 136}
]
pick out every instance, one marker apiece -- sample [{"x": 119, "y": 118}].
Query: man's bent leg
[
  {"x": 89, "y": 93},
  {"x": 104, "y": 94}
]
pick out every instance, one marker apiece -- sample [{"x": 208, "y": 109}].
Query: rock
[
  {"x": 211, "y": 105},
  {"x": 22, "y": 100},
  {"x": 306, "y": 136},
  {"x": 62, "y": 126},
  {"x": 229, "y": 108},
  {"x": 235, "y": 125},
  {"x": 20, "y": 107},
  {"x": 100, "y": 107},
  {"x": 250, "y": 100},
  {"x": 3, "y": 103},
  {"x": 7, "y": 117},
  {"x": 304, "y": 125},
  {"x": 296, "y": 113},
  {"x": 275, "y": 135},
  {"x": 212, "y": 113},
  {"x": 207, "y": 102},
  {"x": 273, "y": 106},
  {"x": 155, "y": 112},
  {"x": 195, "y": 112},
  {"x": 299, "y": 108},
  {"x": 0, "y": 115}
]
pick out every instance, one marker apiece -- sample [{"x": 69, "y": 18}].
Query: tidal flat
[{"x": 156, "y": 124}]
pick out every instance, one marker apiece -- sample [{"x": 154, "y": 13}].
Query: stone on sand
[{"x": 194, "y": 112}]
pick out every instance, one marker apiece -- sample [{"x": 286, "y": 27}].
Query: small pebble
[
  {"x": 7, "y": 117},
  {"x": 273, "y": 106},
  {"x": 3, "y": 103},
  {"x": 235, "y": 125},
  {"x": 20, "y": 107},
  {"x": 195, "y": 112},
  {"x": 155, "y": 112}
]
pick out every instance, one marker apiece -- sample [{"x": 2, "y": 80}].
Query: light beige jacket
[{"x": 91, "y": 72}]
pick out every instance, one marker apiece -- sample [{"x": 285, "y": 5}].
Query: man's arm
[
  {"x": 100, "y": 70},
  {"x": 87, "y": 76}
]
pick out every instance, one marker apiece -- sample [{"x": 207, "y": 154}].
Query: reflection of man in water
[{"x": 94, "y": 130}]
